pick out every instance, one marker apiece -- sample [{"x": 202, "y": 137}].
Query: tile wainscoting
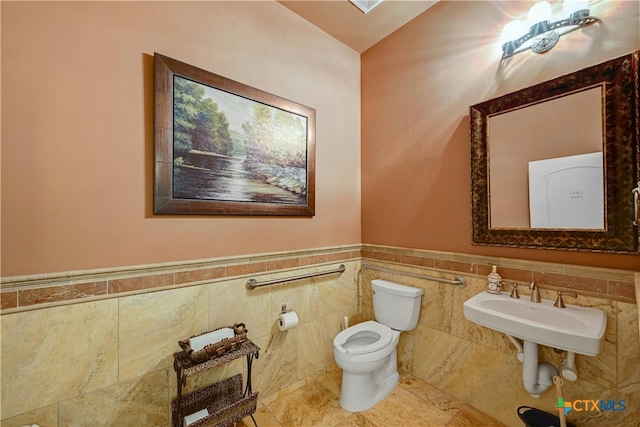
[
  {"x": 479, "y": 366},
  {"x": 73, "y": 358},
  {"x": 95, "y": 347},
  {"x": 22, "y": 292}
]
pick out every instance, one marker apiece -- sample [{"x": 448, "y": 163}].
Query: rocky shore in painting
[{"x": 288, "y": 178}]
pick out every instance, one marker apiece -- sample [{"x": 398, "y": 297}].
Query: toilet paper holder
[{"x": 287, "y": 319}]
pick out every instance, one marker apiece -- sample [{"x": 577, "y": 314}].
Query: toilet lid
[{"x": 365, "y": 337}]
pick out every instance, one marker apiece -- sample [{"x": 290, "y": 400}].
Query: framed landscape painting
[{"x": 225, "y": 148}]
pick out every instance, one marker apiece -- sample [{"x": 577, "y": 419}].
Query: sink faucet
[
  {"x": 514, "y": 291},
  {"x": 559, "y": 303},
  {"x": 535, "y": 293}
]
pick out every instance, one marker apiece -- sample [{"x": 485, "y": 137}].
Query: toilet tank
[{"x": 396, "y": 305}]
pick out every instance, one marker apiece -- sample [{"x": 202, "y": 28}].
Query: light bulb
[
  {"x": 571, "y": 6},
  {"x": 539, "y": 12},
  {"x": 512, "y": 31}
]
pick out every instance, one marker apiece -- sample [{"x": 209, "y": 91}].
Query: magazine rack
[{"x": 225, "y": 401}]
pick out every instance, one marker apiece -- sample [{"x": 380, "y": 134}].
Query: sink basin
[{"x": 575, "y": 329}]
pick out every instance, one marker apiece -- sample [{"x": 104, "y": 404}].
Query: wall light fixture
[
  {"x": 538, "y": 32},
  {"x": 365, "y": 6}
]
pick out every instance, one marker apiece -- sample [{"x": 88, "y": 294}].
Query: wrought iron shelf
[{"x": 225, "y": 401}]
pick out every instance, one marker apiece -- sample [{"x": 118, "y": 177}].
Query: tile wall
[
  {"x": 479, "y": 366},
  {"x": 75, "y": 358},
  {"x": 95, "y": 348}
]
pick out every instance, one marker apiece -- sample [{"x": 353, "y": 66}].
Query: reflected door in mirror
[
  {"x": 567, "y": 192},
  {"x": 556, "y": 128}
]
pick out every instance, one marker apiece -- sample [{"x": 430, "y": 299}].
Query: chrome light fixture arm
[{"x": 546, "y": 34}]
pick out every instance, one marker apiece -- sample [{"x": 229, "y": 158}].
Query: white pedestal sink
[{"x": 573, "y": 329}]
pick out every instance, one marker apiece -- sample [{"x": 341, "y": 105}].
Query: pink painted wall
[
  {"x": 77, "y": 125},
  {"x": 77, "y": 129},
  {"x": 417, "y": 86}
]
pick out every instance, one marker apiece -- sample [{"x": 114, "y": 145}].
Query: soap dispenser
[{"x": 494, "y": 281}]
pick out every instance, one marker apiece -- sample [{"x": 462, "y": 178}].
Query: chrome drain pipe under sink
[
  {"x": 537, "y": 377},
  {"x": 537, "y": 380}
]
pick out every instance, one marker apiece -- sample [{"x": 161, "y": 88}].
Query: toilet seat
[{"x": 363, "y": 338}]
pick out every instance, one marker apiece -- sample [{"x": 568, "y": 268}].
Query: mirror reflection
[
  {"x": 546, "y": 164},
  {"x": 554, "y": 165}
]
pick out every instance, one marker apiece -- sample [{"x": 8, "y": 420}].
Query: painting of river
[
  {"x": 222, "y": 147},
  {"x": 205, "y": 176},
  {"x": 233, "y": 149}
]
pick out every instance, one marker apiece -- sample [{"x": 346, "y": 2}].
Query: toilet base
[{"x": 360, "y": 392}]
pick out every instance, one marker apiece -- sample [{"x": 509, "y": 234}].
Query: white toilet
[{"x": 366, "y": 352}]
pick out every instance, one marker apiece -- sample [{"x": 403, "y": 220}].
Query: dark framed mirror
[{"x": 519, "y": 200}]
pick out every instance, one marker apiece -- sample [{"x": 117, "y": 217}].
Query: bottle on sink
[{"x": 494, "y": 281}]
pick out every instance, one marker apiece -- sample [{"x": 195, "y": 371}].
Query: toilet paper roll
[
  {"x": 201, "y": 341},
  {"x": 288, "y": 320}
]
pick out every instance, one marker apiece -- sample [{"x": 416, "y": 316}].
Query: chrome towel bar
[
  {"x": 459, "y": 281},
  {"x": 253, "y": 283}
]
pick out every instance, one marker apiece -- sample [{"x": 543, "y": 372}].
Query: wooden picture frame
[
  {"x": 225, "y": 148},
  {"x": 619, "y": 78}
]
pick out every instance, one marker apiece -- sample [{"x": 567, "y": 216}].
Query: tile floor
[{"x": 314, "y": 402}]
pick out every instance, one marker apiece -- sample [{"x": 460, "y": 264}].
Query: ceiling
[{"x": 348, "y": 24}]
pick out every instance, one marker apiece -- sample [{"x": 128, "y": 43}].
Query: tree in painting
[
  {"x": 269, "y": 146},
  {"x": 198, "y": 125},
  {"x": 275, "y": 138}
]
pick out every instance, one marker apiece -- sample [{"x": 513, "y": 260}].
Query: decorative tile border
[
  {"x": 28, "y": 292},
  {"x": 59, "y": 293},
  {"x": 602, "y": 282}
]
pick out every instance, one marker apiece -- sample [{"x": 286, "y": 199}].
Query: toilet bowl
[
  {"x": 366, "y": 352},
  {"x": 363, "y": 347}
]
